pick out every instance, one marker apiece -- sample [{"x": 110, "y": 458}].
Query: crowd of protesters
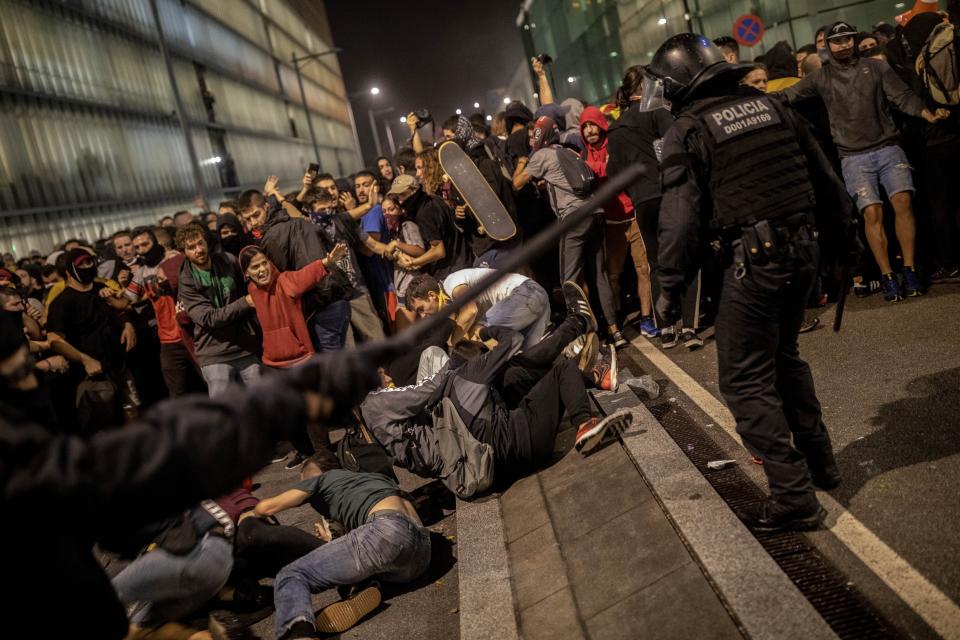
[{"x": 202, "y": 301}]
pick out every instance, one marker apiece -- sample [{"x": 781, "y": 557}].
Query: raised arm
[
  {"x": 543, "y": 83},
  {"x": 415, "y": 140}
]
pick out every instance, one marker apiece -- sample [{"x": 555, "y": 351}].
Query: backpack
[
  {"x": 579, "y": 176},
  {"x": 359, "y": 451},
  {"x": 466, "y": 463},
  {"x": 98, "y": 405},
  {"x": 938, "y": 64},
  {"x": 496, "y": 150}
]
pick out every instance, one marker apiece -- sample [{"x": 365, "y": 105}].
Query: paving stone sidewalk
[{"x": 593, "y": 555}]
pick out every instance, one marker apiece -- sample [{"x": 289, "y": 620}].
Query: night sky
[{"x": 439, "y": 54}]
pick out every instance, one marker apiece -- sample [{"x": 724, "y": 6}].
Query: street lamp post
[
  {"x": 295, "y": 61},
  {"x": 376, "y": 134},
  {"x": 393, "y": 145},
  {"x": 371, "y": 114}
]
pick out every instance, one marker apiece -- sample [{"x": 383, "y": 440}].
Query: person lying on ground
[
  {"x": 385, "y": 539},
  {"x": 511, "y": 400},
  {"x": 178, "y": 453}
]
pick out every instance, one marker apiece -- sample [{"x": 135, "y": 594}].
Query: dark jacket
[
  {"x": 858, "y": 97},
  {"x": 61, "y": 493},
  {"x": 400, "y": 419},
  {"x": 490, "y": 169},
  {"x": 397, "y": 416},
  {"x": 225, "y": 334},
  {"x": 293, "y": 244},
  {"x": 473, "y": 389},
  {"x": 632, "y": 140},
  {"x": 685, "y": 212},
  {"x": 431, "y": 214},
  {"x": 290, "y": 243}
]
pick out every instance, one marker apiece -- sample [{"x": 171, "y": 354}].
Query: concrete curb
[
  {"x": 762, "y": 599},
  {"x": 486, "y": 597}
]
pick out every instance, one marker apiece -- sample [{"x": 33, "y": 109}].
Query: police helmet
[{"x": 682, "y": 64}]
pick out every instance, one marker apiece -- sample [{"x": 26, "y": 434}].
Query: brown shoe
[
  {"x": 589, "y": 353},
  {"x": 343, "y": 615}
]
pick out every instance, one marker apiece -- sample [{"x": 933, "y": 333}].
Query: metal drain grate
[{"x": 843, "y": 608}]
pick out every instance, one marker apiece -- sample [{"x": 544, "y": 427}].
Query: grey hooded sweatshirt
[{"x": 858, "y": 96}]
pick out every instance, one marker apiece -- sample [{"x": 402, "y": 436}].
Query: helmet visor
[{"x": 651, "y": 94}]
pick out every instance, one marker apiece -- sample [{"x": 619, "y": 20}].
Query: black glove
[
  {"x": 669, "y": 308},
  {"x": 348, "y": 376}
]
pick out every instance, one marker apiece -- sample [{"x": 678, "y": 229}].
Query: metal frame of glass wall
[{"x": 90, "y": 139}]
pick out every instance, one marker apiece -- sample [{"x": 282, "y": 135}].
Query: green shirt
[
  {"x": 221, "y": 287},
  {"x": 348, "y": 496}
]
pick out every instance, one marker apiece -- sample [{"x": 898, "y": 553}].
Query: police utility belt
[{"x": 762, "y": 242}]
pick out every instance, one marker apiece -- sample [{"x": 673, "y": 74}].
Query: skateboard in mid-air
[{"x": 476, "y": 192}]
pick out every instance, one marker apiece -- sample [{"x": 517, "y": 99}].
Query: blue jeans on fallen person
[
  {"x": 388, "y": 546},
  {"x": 526, "y": 310},
  {"x": 863, "y": 174},
  {"x": 329, "y": 325},
  {"x": 163, "y": 587},
  {"x": 218, "y": 376}
]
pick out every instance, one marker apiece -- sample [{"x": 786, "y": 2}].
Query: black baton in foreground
[{"x": 842, "y": 297}]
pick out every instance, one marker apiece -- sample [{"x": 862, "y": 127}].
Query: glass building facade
[
  {"x": 91, "y": 139},
  {"x": 593, "y": 41}
]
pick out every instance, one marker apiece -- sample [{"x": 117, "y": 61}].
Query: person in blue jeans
[
  {"x": 515, "y": 302},
  {"x": 185, "y": 566},
  {"x": 385, "y": 539},
  {"x": 211, "y": 292}
]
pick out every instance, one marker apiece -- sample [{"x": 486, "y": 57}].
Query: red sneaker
[
  {"x": 605, "y": 373},
  {"x": 593, "y": 431}
]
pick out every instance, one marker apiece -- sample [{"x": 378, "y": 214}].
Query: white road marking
[{"x": 926, "y": 600}]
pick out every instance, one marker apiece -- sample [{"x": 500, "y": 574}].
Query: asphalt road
[{"x": 889, "y": 384}]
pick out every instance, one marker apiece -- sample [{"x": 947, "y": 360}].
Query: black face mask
[
  {"x": 844, "y": 56},
  {"x": 155, "y": 256},
  {"x": 235, "y": 243},
  {"x": 84, "y": 275},
  {"x": 164, "y": 288}
]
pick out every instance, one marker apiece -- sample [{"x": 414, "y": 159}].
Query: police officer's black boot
[
  {"x": 772, "y": 515},
  {"x": 824, "y": 472}
]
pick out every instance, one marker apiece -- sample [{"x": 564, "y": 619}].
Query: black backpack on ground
[{"x": 360, "y": 451}]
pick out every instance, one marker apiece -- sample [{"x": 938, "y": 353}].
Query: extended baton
[{"x": 842, "y": 298}]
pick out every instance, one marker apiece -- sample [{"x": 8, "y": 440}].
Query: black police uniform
[{"x": 737, "y": 168}]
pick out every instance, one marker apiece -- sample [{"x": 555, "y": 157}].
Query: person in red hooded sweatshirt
[
  {"x": 620, "y": 224},
  {"x": 276, "y": 297}
]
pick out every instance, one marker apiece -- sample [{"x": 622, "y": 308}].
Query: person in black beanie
[{"x": 233, "y": 237}]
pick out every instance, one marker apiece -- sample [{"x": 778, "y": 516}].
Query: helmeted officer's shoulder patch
[{"x": 732, "y": 119}]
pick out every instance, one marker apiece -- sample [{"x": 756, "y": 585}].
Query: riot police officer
[{"x": 738, "y": 176}]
